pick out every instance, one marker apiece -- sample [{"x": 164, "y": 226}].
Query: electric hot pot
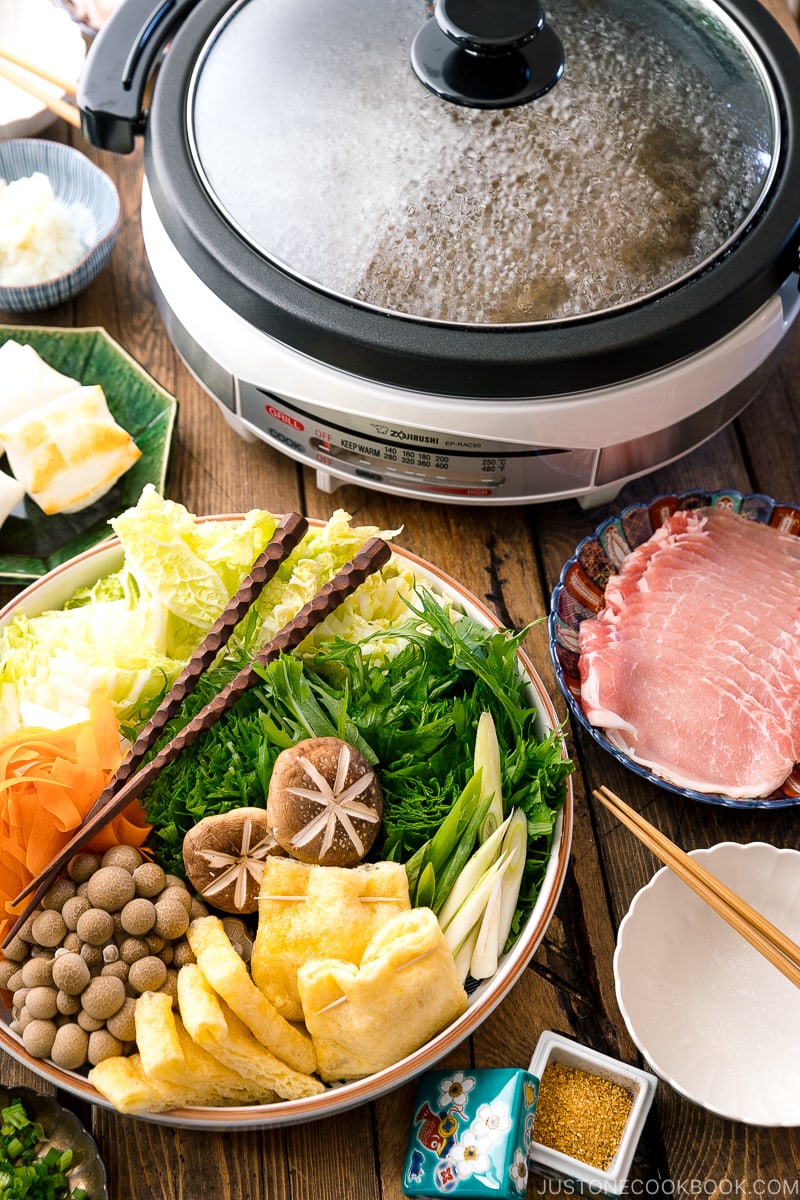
[{"x": 471, "y": 252}]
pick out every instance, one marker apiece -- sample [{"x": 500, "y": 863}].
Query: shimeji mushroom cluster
[{"x": 111, "y": 928}]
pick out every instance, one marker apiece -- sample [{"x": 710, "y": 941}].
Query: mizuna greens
[{"x": 413, "y": 713}]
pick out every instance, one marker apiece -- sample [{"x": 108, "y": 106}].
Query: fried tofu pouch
[
  {"x": 307, "y": 911},
  {"x": 123, "y": 1082},
  {"x": 170, "y": 1070},
  {"x": 215, "y": 1028},
  {"x": 229, "y": 977},
  {"x": 406, "y": 990}
]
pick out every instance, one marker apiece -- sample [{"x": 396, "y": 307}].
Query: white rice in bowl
[{"x": 37, "y": 240}]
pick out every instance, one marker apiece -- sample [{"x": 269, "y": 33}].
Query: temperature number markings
[
  {"x": 439, "y": 462},
  {"x": 407, "y": 456}
]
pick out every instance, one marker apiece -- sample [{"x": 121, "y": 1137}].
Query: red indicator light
[{"x": 279, "y": 415}]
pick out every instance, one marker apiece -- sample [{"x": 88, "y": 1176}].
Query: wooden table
[{"x": 511, "y": 557}]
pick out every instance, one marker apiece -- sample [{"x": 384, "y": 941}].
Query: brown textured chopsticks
[
  {"x": 287, "y": 535},
  {"x": 372, "y": 556},
  {"x": 765, "y": 937}
]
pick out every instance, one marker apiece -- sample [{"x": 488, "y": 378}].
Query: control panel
[{"x": 400, "y": 458}]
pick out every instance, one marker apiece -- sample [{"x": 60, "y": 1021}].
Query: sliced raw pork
[{"x": 693, "y": 666}]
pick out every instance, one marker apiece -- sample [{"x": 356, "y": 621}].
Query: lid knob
[{"x": 487, "y": 53}]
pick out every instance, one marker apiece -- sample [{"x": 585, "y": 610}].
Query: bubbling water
[{"x": 640, "y": 165}]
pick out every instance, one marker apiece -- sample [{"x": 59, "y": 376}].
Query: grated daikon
[{"x": 37, "y": 241}]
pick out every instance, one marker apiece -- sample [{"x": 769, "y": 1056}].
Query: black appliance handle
[
  {"x": 487, "y": 54},
  {"x": 111, "y": 90}
]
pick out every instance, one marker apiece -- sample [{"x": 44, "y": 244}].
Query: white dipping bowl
[
  {"x": 43, "y": 34},
  {"x": 710, "y": 1015}
]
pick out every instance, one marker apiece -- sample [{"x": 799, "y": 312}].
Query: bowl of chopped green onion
[{"x": 45, "y": 1152}]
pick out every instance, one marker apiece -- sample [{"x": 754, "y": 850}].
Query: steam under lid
[{"x": 318, "y": 143}]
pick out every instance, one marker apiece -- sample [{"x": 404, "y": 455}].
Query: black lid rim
[{"x": 481, "y": 362}]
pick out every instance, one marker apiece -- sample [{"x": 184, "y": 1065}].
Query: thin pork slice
[
  {"x": 678, "y": 725},
  {"x": 692, "y": 668},
  {"x": 746, "y": 674},
  {"x": 757, "y": 634}
]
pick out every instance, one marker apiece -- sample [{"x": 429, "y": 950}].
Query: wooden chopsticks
[
  {"x": 369, "y": 558},
  {"x": 765, "y": 937},
  {"x": 288, "y": 533},
  {"x": 29, "y": 77}
]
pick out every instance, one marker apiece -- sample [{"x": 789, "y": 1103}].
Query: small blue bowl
[{"x": 92, "y": 202}]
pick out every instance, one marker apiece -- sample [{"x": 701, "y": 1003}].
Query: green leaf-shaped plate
[{"x": 32, "y": 544}]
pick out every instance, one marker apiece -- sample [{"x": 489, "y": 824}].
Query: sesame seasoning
[{"x": 581, "y": 1115}]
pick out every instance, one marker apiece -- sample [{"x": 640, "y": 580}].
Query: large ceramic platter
[
  {"x": 713, "y": 1017},
  {"x": 579, "y": 596},
  {"x": 31, "y": 544},
  {"x": 52, "y": 591}
]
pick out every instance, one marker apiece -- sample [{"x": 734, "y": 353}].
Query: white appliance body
[{"x": 350, "y": 429}]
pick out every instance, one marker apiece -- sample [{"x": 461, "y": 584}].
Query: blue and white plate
[{"x": 580, "y": 592}]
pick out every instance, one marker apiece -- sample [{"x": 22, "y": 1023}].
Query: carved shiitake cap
[
  {"x": 325, "y": 804},
  {"x": 224, "y": 857}
]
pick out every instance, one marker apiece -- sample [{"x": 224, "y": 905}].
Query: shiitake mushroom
[
  {"x": 223, "y": 855},
  {"x": 324, "y": 804}
]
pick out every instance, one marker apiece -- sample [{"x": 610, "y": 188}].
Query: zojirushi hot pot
[{"x": 473, "y": 252}]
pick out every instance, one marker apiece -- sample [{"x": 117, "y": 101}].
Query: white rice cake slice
[
  {"x": 69, "y": 452},
  {"x": 27, "y": 381}
]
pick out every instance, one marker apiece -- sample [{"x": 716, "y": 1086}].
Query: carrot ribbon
[{"x": 49, "y": 779}]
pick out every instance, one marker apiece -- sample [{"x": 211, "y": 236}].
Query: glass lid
[{"x": 633, "y": 166}]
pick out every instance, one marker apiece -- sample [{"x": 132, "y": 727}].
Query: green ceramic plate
[{"x": 32, "y": 544}]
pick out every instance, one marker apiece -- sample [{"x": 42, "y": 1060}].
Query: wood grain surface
[{"x": 511, "y": 558}]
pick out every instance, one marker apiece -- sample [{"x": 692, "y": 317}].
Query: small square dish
[
  {"x": 611, "y": 1100},
  {"x": 31, "y": 543}
]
